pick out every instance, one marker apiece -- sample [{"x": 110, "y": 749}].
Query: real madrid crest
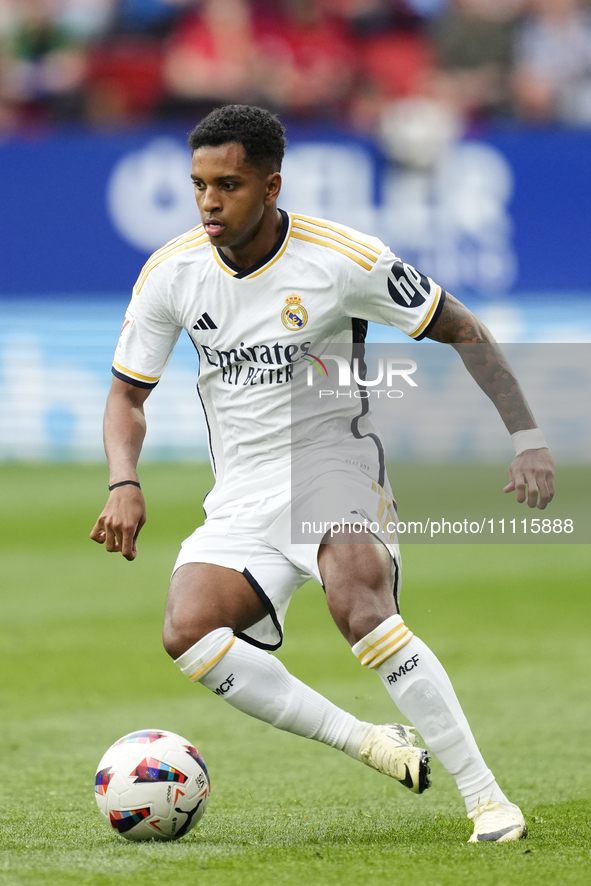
[{"x": 294, "y": 315}]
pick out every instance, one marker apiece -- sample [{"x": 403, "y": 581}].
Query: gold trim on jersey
[
  {"x": 300, "y": 226},
  {"x": 340, "y": 249},
  {"x": 223, "y": 266},
  {"x": 148, "y": 378},
  {"x": 336, "y": 229},
  {"x": 170, "y": 245},
  {"x": 179, "y": 245},
  {"x": 274, "y": 259},
  {"x": 360, "y": 251},
  {"x": 265, "y": 267},
  {"x": 430, "y": 313},
  {"x": 176, "y": 241}
]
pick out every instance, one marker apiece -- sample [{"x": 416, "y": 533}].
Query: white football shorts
[{"x": 266, "y": 539}]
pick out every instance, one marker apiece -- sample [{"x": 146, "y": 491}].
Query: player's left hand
[{"x": 531, "y": 476}]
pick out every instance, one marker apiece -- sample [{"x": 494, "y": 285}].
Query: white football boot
[
  {"x": 391, "y": 749},
  {"x": 497, "y": 823}
]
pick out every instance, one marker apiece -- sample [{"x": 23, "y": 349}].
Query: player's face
[{"x": 233, "y": 196}]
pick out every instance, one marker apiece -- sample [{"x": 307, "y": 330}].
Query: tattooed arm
[{"x": 486, "y": 363}]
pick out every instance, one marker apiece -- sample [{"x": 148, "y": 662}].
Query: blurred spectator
[
  {"x": 553, "y": 62},
  {"x": 474, "y": 43},
  {"x": 124, "y": 80},
  {"x": 42, "y": 64},
  {"x": 395, "y": 59},
  {"x": 399, "y": 94},
  {"x": 410, "y": 70},
  {"x": 210, "y": 58},
  {"x": 396, "y": 63},
  {"x": 306, "y": 58},
  {"x": 125, "y": 71}
]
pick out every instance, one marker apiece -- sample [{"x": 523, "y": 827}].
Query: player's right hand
[{"x": 121, "y": 521}]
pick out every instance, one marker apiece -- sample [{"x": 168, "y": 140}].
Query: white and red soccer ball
[{"x": 152, "y": 785}]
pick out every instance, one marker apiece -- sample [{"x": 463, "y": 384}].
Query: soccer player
[{"x": 254, "y": 286}]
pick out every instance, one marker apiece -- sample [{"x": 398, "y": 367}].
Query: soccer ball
[{"x": 152, "y": 785}]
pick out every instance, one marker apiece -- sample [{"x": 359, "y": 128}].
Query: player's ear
[{"x": 273, "y": 187}]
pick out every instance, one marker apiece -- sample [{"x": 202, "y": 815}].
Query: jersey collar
[{"x": 261, "y": 266}]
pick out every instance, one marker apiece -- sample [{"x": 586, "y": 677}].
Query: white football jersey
[{"x": 251, "y": 327}]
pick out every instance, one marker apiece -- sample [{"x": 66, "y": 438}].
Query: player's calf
[
  {"x": 258, "y": 684},
  {"x": 420, "y": 688}
]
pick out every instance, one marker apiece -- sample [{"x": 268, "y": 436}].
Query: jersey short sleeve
[
  {"x": 393, "y": 293},
  {"x": 149, "y": 333}
]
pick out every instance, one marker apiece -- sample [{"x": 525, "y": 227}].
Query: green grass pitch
[{"x": 81, "y": 664}]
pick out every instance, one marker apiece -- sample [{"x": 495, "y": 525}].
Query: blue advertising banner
[
  {"x": 501, "y": 221},
  {"x": 507, "y": 213}
]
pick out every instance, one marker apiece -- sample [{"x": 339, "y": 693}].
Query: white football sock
[
  {"x": 258, "y": 684},
  {"x": 421, "y": 689}
]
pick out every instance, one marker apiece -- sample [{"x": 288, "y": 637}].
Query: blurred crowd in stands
[{"x": 367, "y": 64}]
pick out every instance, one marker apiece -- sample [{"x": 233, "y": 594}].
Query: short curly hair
[{"x": 259, "y": 132}]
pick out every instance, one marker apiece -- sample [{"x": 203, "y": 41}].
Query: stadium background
[{"x": 460, "y": 132}]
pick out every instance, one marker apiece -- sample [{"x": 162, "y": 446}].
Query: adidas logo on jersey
[{"x": 205, "y": 322}]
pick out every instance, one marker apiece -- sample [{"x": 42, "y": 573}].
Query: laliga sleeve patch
[
  {"x": 407, "y": 287},
  {"x": 125, "y": 330}
]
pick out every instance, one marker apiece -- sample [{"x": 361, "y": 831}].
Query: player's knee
[
  {"x": 178, "y": 637},
  {"x": 363, "y": 623},
  {"x": 361, "y": 613}
]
